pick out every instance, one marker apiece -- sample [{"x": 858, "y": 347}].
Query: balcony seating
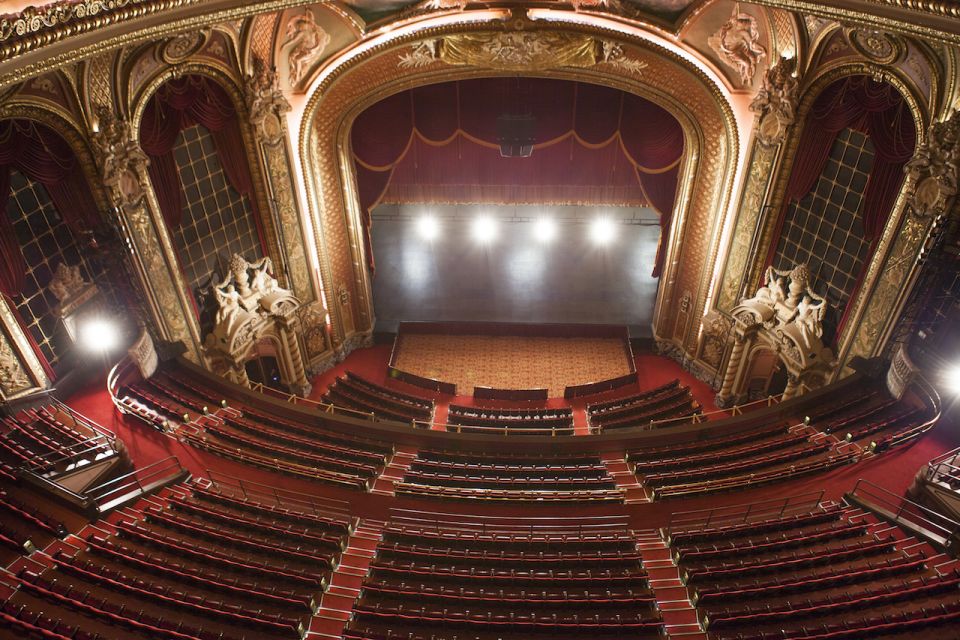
[
  {"x": 355, "y": 392},
  {"x": 194, "y": 562},
  {"x": 485, "y": 580},
  {"x": 468, "y": 476},
  {"x": 830, "y": 572}
]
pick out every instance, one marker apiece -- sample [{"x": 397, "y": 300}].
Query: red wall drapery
[
  {"x": 874, "y": 108},
  {"x": 182, "y": 103},
  {"x": 45, "y": 157},
  {"x": 595, "y": 145}
]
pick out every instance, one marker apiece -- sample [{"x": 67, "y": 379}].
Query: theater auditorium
[{"x": 479, "y": 319}]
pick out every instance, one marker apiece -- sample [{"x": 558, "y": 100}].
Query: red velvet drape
[
  {"x": 182, "y": 103},
  {"x": 874, "y": 108},
  {"x": 595, "y": 145}
]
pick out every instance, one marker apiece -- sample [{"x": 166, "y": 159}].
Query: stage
[{"x": 512, "y": 355}]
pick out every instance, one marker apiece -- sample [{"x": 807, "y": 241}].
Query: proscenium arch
[
  {"x": 811, "y": 90},
  {"x": 670, "y": 80}
]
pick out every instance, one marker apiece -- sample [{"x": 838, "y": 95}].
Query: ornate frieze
[{"x": 521, "y": 50}]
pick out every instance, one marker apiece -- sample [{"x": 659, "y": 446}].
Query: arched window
[{"x": 200, "y": 174}]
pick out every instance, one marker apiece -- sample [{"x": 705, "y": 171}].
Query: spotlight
[
  {"x": 97, "y": 334},
  {"x": 544, "y": 230},
  {"x": 484, "y": 229},
  {"x": 602, "y": 231},
  {"x": 428, "y": 227},
  {"x": 952, "y": 379}
]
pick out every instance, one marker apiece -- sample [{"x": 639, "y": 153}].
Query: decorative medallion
[
  {"x": 876, "y": 46},
  {"x": 182, "y": 46}
]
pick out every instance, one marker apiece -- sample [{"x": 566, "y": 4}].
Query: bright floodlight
[
  {"x": 953, "y": 378},
  {"x": 544, "y": 230},
  {"x": 602, "y": 231},
  {"x": 484, "y": 229},
  {"x": 428, "y": 227},
  {"x": 97, "y": 334}
]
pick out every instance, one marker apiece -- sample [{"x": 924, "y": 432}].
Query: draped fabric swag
[
  {"x": 177, "y": 105},
  {"x": 42, "y": 156},
  {"x": 594, "y": 145},
  {"x": 875, "y": 109}
]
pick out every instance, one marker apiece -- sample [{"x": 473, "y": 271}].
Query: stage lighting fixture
[
  {"x": 484, "y": 229},
  {"x": 98, "y": 335},
  {"x": 544, "y": 230},
  {"x": 952, "y": 379},
  {"x": 428, "y": 227},
  {"x": 602, "y": 231}
]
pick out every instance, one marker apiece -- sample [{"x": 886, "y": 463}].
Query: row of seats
[
  {"x": 195, "y": 561},
  {"x": 824, "y": 571},
  {"x": 772, "y": 453},
  {"x": 449, "y": 475},
  {"x": 472, "y": 579},
  {"x": 355, "y": 392},
  {"x": 671, "y": 402},
  {"x": 540, "y": 421}
]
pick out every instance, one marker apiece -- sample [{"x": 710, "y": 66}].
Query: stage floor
[{"x": 512, "y": 362}]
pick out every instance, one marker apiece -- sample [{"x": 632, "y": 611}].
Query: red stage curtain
[
  {"x": 595, "y": 145},
  {"x": 874, "y": 108},
  {"x": 182, "y": 103}
]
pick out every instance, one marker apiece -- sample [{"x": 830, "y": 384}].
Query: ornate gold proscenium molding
[{"x": 520, "y": 51}]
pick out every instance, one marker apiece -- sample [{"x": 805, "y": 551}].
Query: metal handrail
[
  {"x": 328, "y": 407},
  {"x": 99, "y": 443},
  {"x": 702, "y": 518},
  {"x": 906, "y": 510},
  {"x": 85, "y": 421},
  {"x": 318, "y": 504},
  {"x": 136, "y": 478},
  {"x": 532, "y": 524}
]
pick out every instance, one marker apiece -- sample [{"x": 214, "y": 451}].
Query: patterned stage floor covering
[{"x": 512, "y": 362}]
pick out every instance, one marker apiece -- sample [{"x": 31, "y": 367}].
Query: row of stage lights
[{"x": 485, "y": 229}]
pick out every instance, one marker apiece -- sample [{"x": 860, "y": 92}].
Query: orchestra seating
[
  {"x": 505, "y": 579},
  {"x": 195, "y": 561},
  {"x": 540, "y": 422},
  {"x": 671, "y": 403},
  {"x": 830, "y": 571},
  {"x": 359, "y": 394},
  {"x": 469, "y": 476}
]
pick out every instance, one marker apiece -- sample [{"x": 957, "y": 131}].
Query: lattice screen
[
  {"x": 45, "y": 241},
  {"x": 217, "y": 221},
  {"x": 825, "y": 228}
]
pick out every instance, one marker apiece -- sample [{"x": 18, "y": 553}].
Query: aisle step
[{"x": 395, "y": 469}]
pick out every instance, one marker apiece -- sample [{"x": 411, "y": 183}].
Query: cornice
[
  {"x": 60, "y": 44},
  {"x": 934, "y": 19}
]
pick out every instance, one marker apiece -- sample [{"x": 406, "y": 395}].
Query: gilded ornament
[
  {"x": 13, "y": 377},
  {"x": 876, "y": 46},
  {"x": 306, "y": 41},
  {"x": 738, "y": 44},
  {"x": 776, "y": 102},
  {"x": 122, "y": 162},
  {"x": 183, "y": 45},
  {"x": 935, "y": 169},
  {"x": 266, "y": 104}
]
